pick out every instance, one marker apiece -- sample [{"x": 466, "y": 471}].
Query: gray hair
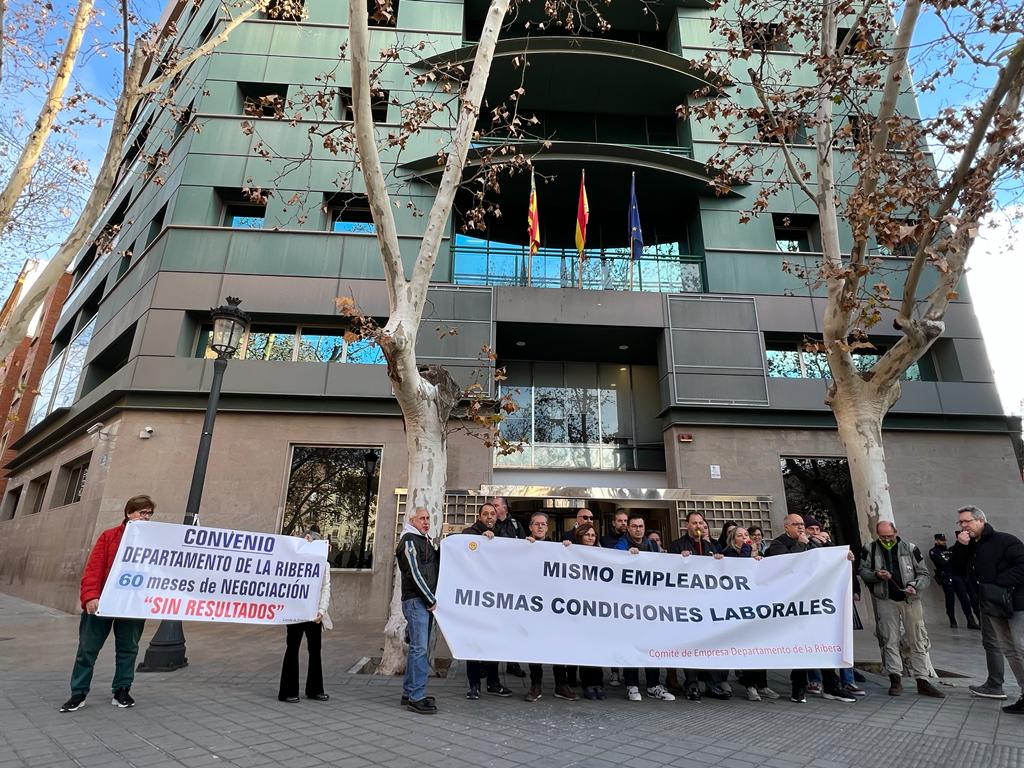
[
  {"x": 976, "y": 513},
  {"x": 535, "y": 515}
]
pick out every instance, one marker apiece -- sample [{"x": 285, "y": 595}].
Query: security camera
[
  {"x": 148, "y": 430},
  {"x": 95, "y": 428},
  {"x": 146, "y": 433}
]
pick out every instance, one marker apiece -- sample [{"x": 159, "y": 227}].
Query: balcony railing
[
  {"x": 486, "y": 141},
  {"x": 607, "y": 269}
]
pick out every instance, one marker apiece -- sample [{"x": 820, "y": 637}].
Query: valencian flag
[
  {"x": 533, "y": 227},
  {"x": 582, "y": 217}
]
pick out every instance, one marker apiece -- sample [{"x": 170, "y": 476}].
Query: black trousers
[
  {"x": 477, "y": 669},
  {"x": 652, "y": 676},
  {"x": 956, "y": 588},
  {"x": 537, "y": 675},
  {"x": 829, "y": 680},
  {"x": 290, "y": 668},
  {"x": 712, "y": 677},
  {"x": 592, "y": 677},
  {"x": 753, "y": 678}
]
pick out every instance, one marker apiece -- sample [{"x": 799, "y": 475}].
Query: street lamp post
[
  {"x": 166, "y": 651},
  {"x": 369, "y": 466}
]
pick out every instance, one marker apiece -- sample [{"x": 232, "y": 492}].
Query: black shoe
[
  {"x": 514, "y": 669},
  {"x": 122, "y": 699},
  {"x": 717, "y": 692},
  {"x": 498, "y": 690},
  {"x": 799, "y": 696},
  {"x": 289, "y": 699},
  {"x": 693, "y": 693},
  {"x": 422, "y": 707},
  {"x": 473, "y": 693},
  {"x": 429, "y": 699},
  {"x": 319, "y": 697},
  {"x": 952, "y": 623},
  {"x": 973, "y": 625},
  {"x": 1015, "y": 709},
  {"x": 75, "y": 703}
]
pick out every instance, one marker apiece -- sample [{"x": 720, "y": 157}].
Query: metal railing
[{"x": 490, "y": 141}]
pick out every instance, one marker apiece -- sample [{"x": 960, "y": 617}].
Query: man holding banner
[{"x": 93, "y": 630}]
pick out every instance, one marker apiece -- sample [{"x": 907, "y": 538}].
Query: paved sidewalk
[{"x": 222, "y": 711}]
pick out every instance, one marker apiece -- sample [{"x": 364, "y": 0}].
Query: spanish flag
[
  {"x": 582, "y": 216},
  {"x": 533, "y": 218}
]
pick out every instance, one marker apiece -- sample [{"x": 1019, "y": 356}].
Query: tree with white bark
[
  {"x": 151, "y": 71},
  {"x": 829, "y": 84}
]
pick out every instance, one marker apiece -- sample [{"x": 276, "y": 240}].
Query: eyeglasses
[
  {"x": 145, "y": 512},
  {"x": 587, "y": 517}
]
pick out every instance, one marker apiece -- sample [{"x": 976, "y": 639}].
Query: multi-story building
[
  {"x": 22, "y": 372},
  {"x": 673, "y": 383}
]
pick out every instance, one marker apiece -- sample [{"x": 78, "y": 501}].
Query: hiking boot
[
  {"x": 499, "y": 690},
  {"x": 422, "y": 707},
  {"x": 767, "y": 693},
  {"x": 633, "y": 693},
  {"x": 75, "y": 703},
  {"x": 1015, "y": 709},
  {"x": 533, "y": 694},
  {"x": 987, "y": 691},
  {"x": 123, "y": 700},
  {"x": 660, "y": 692},
  {"x": 473, "y": 693},
  {"x": 925, "y": 688},
  {"x": 752, "y": 694},
  {"x": 565, "y": 692},
  {"x": 895, "y": 685}
]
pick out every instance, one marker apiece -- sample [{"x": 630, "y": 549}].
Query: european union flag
[{"x": 636, "y": 235}]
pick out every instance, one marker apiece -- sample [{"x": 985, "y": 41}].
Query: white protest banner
[
  {"x": 547, "y": 603},
  {"x": 194, "y": 573}
]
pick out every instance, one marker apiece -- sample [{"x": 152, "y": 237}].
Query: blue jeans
[
  {"x": 845, "y": 676},
  {"x": 416, "y": 664}
]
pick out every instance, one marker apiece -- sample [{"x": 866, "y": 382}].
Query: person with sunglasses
[
  {"x": 93, "y": 630},
  {"x": 583, "y": 517}
]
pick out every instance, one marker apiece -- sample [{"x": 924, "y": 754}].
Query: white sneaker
[
  {"x": 767, "y": 693},
  {"x": 752, "y": 694},
  {"x": 659, "y": 692},
  {"x": 725, "y": 687},
  {"x": 613, "y": 678},
  {"x": 633, "y": 693}
]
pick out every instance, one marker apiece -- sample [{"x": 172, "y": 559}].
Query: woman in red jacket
[{"x": 93, "y": 630}]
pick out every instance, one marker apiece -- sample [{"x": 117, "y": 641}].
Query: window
[
  {"x": 351, "y": 214},
  {"x": 861, "y": 40},
  {"x": 383, "y": 13},
  {"x": 788, "y": 360},
  {"x": 332, "y": 488},
  {"x": 10, "y": 505},
  {"x": 36, "y": 492},
  {"x": 244, "y": 215},
  {"x": 286, "y": 10},
  {"x": 263, "y": 99},
  {"x": 298, "y": 344},
  {"x": 795, "y": 233},
  {"x": 64, "y": 394},
  {"x": 764, "y": 37},
  {"x": 72, "y": 480},
  {"x": 155, "y": 226},
  {"x": 41, "y": 406}
]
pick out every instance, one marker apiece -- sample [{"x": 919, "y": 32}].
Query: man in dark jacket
[
  {"x": 418, "y": 562},
  {"x": 997, "y": 568},
  {"x": 583, "y": 516},
  {"x": 696, "y": 542},
  {"x": 952, "y": 584},
  {"x": 619, "y": 521},
  {"x": 93, "y": 630},
  {"x": 793, "y": 541},
  {"x": 506, "y": 527},
  {"x": 484, "y": 526}
]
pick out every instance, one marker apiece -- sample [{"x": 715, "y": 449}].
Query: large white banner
[
  {"x": 504, "y": 599},
  {"x": 194, "y": 573}
]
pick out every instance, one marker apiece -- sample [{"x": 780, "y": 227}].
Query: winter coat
[
  {"x": 912, "y": 570},
  {"x": 687, "y": 543},
  {"x": 784, "y": 545},
  {"x": 644, "y": 546},
  {"x": 999, "y": 559},
  {"x": 509, "y": 528},
  {"x": 419, "y": 563},
  {"x": 610, "y": 540},
  {"x": 325, "y": 599},
  {"x": 100, "y": 561},
  {"x": 478, "y": 529}
]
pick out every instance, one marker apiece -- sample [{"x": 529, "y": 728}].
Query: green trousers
[{"x": 92, "y": 633}]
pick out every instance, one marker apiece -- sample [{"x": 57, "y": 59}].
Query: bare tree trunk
[
  {"x": 36, "y": 141},
  {"x": 859, "y": 416}
]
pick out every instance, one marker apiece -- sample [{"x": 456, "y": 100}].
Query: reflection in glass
[
  {"x": 270, "y": 344},
  {"x": 365, "y": 352},
  {"x": 68, "y": 386},
  {"x": 321, "y": 347},
  {"x": 327, "y": 487},
  {"x": 41, "y": 406}
]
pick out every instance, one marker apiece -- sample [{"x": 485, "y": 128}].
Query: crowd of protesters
[{"x": 984, "y": 570}]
